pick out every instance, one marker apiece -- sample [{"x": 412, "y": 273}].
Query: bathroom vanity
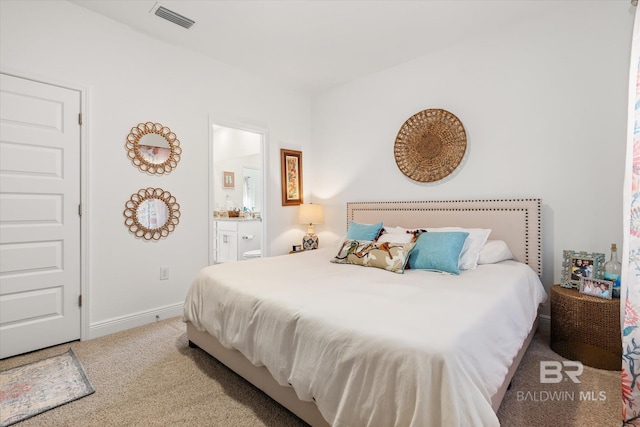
[{"x": 234, "y": 237}]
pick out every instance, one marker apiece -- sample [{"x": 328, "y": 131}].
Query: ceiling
[{"x": 314, "y": 45}]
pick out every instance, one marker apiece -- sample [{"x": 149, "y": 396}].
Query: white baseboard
[
  {"x": 106, "y": 327},
  {"x": 544, "y": 323}
]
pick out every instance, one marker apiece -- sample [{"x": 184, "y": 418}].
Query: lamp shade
[{"x": 310, "y": 214}]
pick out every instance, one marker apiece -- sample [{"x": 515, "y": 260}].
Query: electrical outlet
[{"x": 164, "y": 273}]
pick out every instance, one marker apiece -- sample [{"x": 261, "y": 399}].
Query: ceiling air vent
[{"x": 176, "y": 18}]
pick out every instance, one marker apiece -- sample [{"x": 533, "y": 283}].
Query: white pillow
[
  {"x": 396, "y": 238},
  {"x": 494, "y": 251},
  {"x": 472, "y": 246},
  {"x": 396, "y": 230}
]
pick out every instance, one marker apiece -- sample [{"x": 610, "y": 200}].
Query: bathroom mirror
[
  {"x": 153, "y": 148},
  {"x": 239, "y": 152},
  {"x": 152, "y": 213}
]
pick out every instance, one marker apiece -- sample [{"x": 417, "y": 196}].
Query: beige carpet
[
  {"x": 595, "y": 402},
  {"x": 149, "y": 376}
]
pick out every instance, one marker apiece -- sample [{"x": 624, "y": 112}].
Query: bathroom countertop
[{"x": 237, "y": 219}]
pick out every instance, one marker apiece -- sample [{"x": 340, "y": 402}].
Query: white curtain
[{"x": 630, "y": 290}]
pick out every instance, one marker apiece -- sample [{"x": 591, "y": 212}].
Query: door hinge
[
  {"x": 80, "y": 209},
  {"x": 80, "y": 119},
  {"x": 80, "y": 300}
]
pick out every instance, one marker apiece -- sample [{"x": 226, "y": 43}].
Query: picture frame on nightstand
[
  {"x": 596, "y": 288},
  {"x": 577, "y": 265}
]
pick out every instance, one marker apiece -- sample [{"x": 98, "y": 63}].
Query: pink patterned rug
[{"x": 36, "y": 387}]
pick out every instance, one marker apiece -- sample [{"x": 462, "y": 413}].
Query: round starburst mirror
[
  {"x": 152, "y": 213},
  {"x": 153, "y": 148}
]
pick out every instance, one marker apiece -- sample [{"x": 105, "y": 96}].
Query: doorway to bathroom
[{"x": 237, "y": 198}]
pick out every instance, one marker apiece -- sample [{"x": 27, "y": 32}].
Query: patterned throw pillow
[{"x": 387, "y": 255}]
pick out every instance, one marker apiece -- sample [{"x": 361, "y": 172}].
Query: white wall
[
  {"x": 132, "y": 78},
  {"x": 544, "y": 106}
]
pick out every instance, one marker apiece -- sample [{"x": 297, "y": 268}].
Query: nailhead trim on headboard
[{"x": 531, "y": 209}]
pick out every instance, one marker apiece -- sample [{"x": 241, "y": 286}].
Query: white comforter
[{"x": 371, "y": 347}]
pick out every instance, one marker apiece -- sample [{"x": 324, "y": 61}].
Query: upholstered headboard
[{"x": 517, "y": 221}]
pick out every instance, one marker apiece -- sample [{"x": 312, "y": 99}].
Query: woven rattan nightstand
[{"x": 586, "y": 328}]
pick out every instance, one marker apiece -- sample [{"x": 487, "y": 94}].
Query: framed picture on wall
[
  {"x": 228, "y": 180},
  {"x": 291, "y": 168}
]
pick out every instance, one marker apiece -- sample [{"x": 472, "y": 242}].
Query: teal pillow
[
  {"x": 438, "y": 251},
  {"x": 359, "y": 231}
]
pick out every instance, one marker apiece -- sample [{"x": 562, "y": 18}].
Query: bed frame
[{"x": 516, "y": 221}]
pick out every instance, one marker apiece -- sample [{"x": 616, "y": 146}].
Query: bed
[{"x": 346, "y": 345}]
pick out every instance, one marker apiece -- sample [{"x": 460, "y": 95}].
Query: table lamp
[{"x": 310, "y": 214}]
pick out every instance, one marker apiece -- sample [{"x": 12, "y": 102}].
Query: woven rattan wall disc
[{"x": 430, "y": 145}]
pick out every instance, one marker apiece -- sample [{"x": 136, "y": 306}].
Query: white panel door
[{"x": 39, "y": 218}]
